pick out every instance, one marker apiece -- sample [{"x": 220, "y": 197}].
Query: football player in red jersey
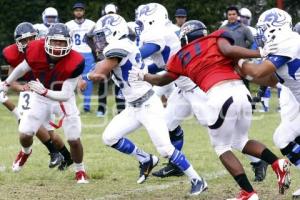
[
  {"x": 209, "y": 62},
  {"x": 14, "y": 54},
  {"x": 56, "y": 69}
]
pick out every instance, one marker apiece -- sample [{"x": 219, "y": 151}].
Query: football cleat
[
  {"x": 260, "y": 170},
  {"x": 145, "y": 168},
  {"x": 20, "y": 161},
  {"x": 81, "y": 177},
  {"x": 296, "y": 194},
  {"x": 65, "y": 164},
  {"x": 169, "y": 170},
  {"x": 55, "y": 159},
  {"x": 198, "y": 186},
  {"x": 282, "y": 169},
  {"x": 244, "y": 195}
]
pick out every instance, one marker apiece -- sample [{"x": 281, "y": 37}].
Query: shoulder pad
[
  {"x": 154, "y": 37},
  {"x": 119, "y": 49}
]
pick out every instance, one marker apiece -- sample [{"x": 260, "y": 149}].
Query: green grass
[{"x": 113, "y": 175}]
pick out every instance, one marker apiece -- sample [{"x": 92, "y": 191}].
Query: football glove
[
  {"x": 270, "y": 48},
  {"x": 136, "y": 74},
  {"x": 38, "y": 87},
  {"x": 3, "y": 97},
  {"x": 4, "y": 86}
]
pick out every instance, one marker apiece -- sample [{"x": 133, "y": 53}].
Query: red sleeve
[{"x": 174, "y": 67}]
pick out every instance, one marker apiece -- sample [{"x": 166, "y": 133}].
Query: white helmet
[
  {"x": 245, "y": 12},
  {"x": 50, "y": 16},
  {"x": 245, "y": 16},
  {"x": 273, "y": 22},
  {"x": 153, "y": 15},
  {"x": 113, "y": 26}
]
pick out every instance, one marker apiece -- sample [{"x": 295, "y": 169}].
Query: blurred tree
[{"x": 210, "y": 12}]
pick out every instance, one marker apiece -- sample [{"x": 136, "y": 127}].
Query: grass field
[{"x": 113, "y": 175}]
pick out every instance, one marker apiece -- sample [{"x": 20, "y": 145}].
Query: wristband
[{"x": 241, "y": 62}]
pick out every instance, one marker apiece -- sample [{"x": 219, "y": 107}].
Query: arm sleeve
[
  {"x": 18, "y": 72},
  {"x": 148, "y": 49},
  {"x": 278, "y": 61},
  {"x": 66, "y": 92}
]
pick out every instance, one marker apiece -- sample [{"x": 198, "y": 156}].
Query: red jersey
[
  {"x": 14, "y": 57},
  {"x": 52, "y": 74},
  {"x": 202, "y": 61}
]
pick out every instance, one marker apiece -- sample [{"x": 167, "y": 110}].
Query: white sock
[
  {"x": 141, "y": 155},
  {"x": 26, "y": 150},
  {"x": 191, "y": 173},
  {"x": 79, "y": 167},
  {"x": 16, "y": 113}
]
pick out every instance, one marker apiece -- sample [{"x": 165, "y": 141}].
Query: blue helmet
[
  {"x": 23, "y": 31},
  {"x": 191, "y": 30}
]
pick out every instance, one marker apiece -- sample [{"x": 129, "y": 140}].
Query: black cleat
[
  {"x": 260, "y": 170},
  {"x": 55, "y": 159},
  {"x": 65, "y": 164},
  {"x": 169, "y": 170},
  {"x": 145, "y": 168}
]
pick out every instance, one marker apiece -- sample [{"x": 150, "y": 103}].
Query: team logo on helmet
[
  {"x": 275, "y": 19},
  {"x": 147, "y": 10},
  {"x": 111, "y": 20}
]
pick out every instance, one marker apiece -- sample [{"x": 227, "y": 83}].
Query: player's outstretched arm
[
  {"x": 257, "y": 71},
  {"x": 159, "y": 79},
  {"x": 102, "y": 69},
  {"x": 66, "y": 92},
  {"x": 236, "y": 52},
  {"x": 18, "y": 72}
]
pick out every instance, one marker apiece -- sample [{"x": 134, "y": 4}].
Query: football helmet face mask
[
  {"x": 192, "y": 30},
  {"x": 58, "y": 42},
  {"x": 24, "y": 33},
  {"x": 152, "y": 15},
  {"x": 50, "y": 16},
  {"x": 113, "y": 26},
  {"x": 297, "y": 28},
  {"x": 272, "y": 23}
]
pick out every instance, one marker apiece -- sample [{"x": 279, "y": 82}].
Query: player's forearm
[
  {"x": 156, "y": 79},
  {"x": 9, "y": 105},
  {"x": 65, "y": 93},
  {"x": 256, "y": 71},
  {"x": 236, "y": 52},
  {"x": 269, "y": 80},
  {"x": 18, "y": 72}
]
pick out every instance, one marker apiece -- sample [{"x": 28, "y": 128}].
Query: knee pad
[
  {"x": 280, "y": 137},
  {"x": 166, "y": 151},
  {"x": 108, "y": 140},
  {"x": 222, "y": 149},
  {"x": 72, "y": 127},
  {"x": 292, "y": 152},
  {"x": 239, "y": 145}
]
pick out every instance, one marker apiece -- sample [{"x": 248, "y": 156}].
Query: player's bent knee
[
  {"x": 166, "y": 151},
  {"x": 239, "y": 145},
  {"x": 108, "y": 139},
  {"x": 222, "y": 149},
  {"x": 278, "y": 139}
]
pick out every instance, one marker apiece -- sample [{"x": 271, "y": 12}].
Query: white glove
[
  {"x": 136, "y": 74},
  {"x": 269, "y": 48},
  {"x": 3, "y": 97},
  {"x": 4, "y": 87},
  {"x": 38, "y": 87}
]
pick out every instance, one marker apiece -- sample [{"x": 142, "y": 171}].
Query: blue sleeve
[
  {"x": 254, "y": 46},
  {"x": 148, "y": 49},
  {"x": 278, "y": 61},
  {"x": 153, "y": 69}
]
